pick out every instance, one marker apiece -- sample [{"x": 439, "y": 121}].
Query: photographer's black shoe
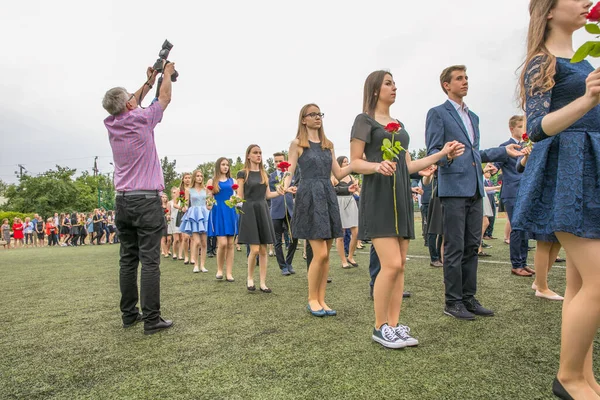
[
  {"x": 135, "y": 322},
  {"x": 458, "y": 311},
  {"x": 162, "y": 324},
  {"x": 475, "y": 307}
]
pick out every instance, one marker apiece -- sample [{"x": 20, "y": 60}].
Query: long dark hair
[
  {"x": 371, "y": 90},
  {"x": 217, "y": 176}
]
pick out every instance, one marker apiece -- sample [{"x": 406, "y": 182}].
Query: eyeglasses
[
  {"x": 131, "y": 97},
  {"x": 315, "y": 115}
]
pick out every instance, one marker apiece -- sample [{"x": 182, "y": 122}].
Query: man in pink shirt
[{"x": 138, "y": 181}]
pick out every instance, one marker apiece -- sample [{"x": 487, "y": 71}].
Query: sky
[{"x": 246, "y": 69}]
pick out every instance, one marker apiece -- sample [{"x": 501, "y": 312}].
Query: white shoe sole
[
  {"x": 543, "y": 296},
  {"x": 412, "y": 342},
  {"x": 389, "y": 345}
]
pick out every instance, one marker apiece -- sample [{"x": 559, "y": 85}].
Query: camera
[{"x": 163, "y": 54}]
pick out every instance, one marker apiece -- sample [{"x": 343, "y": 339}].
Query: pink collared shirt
[{"x": 131, "y": 136}]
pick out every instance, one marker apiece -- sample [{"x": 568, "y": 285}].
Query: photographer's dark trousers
[{"x": 140, "y": 220}]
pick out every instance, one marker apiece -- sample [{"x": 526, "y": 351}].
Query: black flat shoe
[
  {"x": 230, "y": 280},
  {"x": 354, "y": 264},
  {"x": 219, "y": 277},
  {"x": 347, "y": 267},
  {"x": 329, "y": 280},
  {"x": 559, "y": 391},
  {"x": 251, "y": 288},
  {"x": 162, "y": 324},
  {"x": 267, "y": 290},
  {"x": 186, "y": 262}
]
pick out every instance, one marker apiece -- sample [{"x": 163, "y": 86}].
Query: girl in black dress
[
  {"x": 256, "y": 226},
  {"x": 316, "y": 210},
  {"x": 386, "y": 205}
]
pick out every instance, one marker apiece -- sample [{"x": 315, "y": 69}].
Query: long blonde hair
[
  {"x": 302, "y": 134},
  {"x": 218, "y": 174},
  {"x": 543, "y": 79},
  {"x": 261, "y": 168},
  {"x": 194, "y": 178}
]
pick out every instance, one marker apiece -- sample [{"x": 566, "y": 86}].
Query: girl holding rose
[
  {"x": 223, "y": 221},
  {"x": 386, "y": 209},
  {"x": 256, "y": 226},
  {"x": 559, "y": 190}
]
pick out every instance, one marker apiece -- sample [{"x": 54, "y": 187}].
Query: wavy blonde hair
[
  {"x": 302, "y": 134},
  {"x": 541, "y": 80}
]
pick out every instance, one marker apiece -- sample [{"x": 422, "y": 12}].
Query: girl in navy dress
[
  {"x": 223, "y": 221},
  {"x": 316, "y": 211},
  {"x": 559, "y": 191}
]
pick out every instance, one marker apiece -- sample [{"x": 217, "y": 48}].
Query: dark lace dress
[
  {"x": 377, "y": 218},
  {"x": 560, "y": 190},
  {"x": 316, "y": 211},
  {"x": 256, "y": 226}
]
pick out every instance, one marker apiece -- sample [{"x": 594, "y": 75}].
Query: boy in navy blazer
[
  {"x": 510, "y": 186},
  {"x": 461, "y": 190}
]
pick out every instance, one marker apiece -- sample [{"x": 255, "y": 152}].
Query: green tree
[
  {"x": 418, "y": 154},
  {"x": 236, "y": 167},
  {"x": 170, "y": 175},
  {"x": 50, "y": 192},
  {"x": 208, "y": 169}
]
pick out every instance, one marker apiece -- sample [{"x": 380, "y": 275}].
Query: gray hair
[{"x": 115, "y": 100}]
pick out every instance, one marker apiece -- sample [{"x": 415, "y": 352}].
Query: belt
[{"x": 138, "y": 193}]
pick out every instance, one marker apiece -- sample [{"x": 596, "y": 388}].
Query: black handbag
[{"x": 179, "y": 217}]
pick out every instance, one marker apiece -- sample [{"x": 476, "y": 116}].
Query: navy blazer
[
  {"x": 277, "y": 206},
  {"x": 510, "y": 176},
  {"x": 463, "y": 176}
]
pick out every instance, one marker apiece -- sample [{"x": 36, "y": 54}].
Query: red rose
[
  {"x": 182, "y": 193},
  {"x": 166, "y": 210},
  {"x": 283, "y": 166},
  {"x": 393, "y": 127},
  {"x": 235, "y": 186},
  {"x": 594, "y": 14},
  {"x": 525, "y": 137},
  {"x": 210, "y": 187}
]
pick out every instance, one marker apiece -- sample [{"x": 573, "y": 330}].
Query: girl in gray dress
[
  {"x": 386, "y": 207},
  {"x": 316, "y": 211},
  {"x": 345, "y": 189}
]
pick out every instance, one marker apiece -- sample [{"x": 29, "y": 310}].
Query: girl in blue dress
[
  {"x": 223, "y": 221},
  {"x": 195, "y": 220},
  {"x": 559, "y": 191}
]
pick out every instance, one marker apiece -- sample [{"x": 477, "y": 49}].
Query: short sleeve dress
[
  {"x": 380, "y": 214},
  {"x": 256, "y": 226}
]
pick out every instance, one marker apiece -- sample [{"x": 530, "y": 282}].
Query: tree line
[{"x": 59, "y": 190}]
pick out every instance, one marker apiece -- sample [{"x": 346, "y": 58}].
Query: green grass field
[{"x": 62, "y": 336}]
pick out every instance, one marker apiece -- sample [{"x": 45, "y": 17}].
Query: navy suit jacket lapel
[{"x": 457, "y": 118}]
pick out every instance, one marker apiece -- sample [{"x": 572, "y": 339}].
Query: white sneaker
[
  {"x": 386, "y": 336},
  {"x": 203, "y": 269},
  {"x": 196, "y": 270},
  {"x": 403, "y": 333}
]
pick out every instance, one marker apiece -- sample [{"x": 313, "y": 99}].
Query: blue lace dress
[
  {"x": 560, "y": 190},
  {"x": 195, "y": 219},
  {"x": 223, "y": 220}
]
